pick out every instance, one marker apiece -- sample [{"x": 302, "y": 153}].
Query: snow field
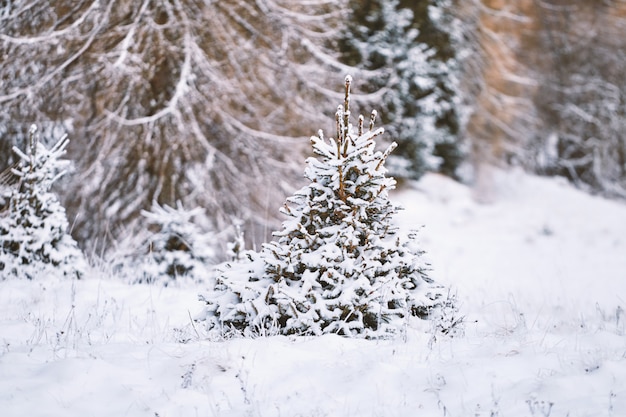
[{"x": 540, "y": 273}]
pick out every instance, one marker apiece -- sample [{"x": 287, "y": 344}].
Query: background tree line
[
  {"x": 177, "y": 100},
  {"x": 202, "y": 102}
]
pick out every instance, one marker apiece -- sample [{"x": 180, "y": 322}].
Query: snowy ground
[{"x": 541, "y": 274}]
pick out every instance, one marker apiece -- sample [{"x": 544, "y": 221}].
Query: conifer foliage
[
  {"x": 176, "y": 250},
  {"x": 407, "y": 50},
  {"x": 338, "y": 265},
  {"x": 34, "y": 239}
]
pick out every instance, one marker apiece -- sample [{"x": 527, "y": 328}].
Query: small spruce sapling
[
  {"x": 339, "y": 265},
  {"x": 176, "y": 248},
  {"x": 34, "y": 238}
]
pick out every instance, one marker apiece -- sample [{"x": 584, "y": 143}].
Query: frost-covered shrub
[
  {"x": 338, "y": 265},
  {"x": 175, "y": 249},
  {"x": 236, "y": 248},
  {"x": 34, "y": 239},
  {"x": 447, "y": 319}
]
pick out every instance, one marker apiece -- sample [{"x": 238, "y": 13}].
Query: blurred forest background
[{"x": 212, "y": 103}]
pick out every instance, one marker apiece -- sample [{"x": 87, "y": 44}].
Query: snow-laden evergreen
[
  {"x": 34, "y": 238},
  {"x": 175, "y": 248},
  {"x": 338, "y": 265},
  {"x": 410, "y": 60}
]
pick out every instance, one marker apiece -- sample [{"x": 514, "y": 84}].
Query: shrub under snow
[
  {"x": 34, "y": 239},
  {"x": 175, "y": 249},
  {"x": 338, "y": 265}
]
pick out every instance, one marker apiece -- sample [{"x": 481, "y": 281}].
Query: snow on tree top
[{"x": 41, "y": 165}]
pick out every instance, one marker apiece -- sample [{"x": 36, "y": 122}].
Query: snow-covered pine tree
[
  {"x": 338, "y": 265},
  {"x": 34, "y": 239},
  {"x": 175, "y": 250},
  {"x": 409, "y": 57}
]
